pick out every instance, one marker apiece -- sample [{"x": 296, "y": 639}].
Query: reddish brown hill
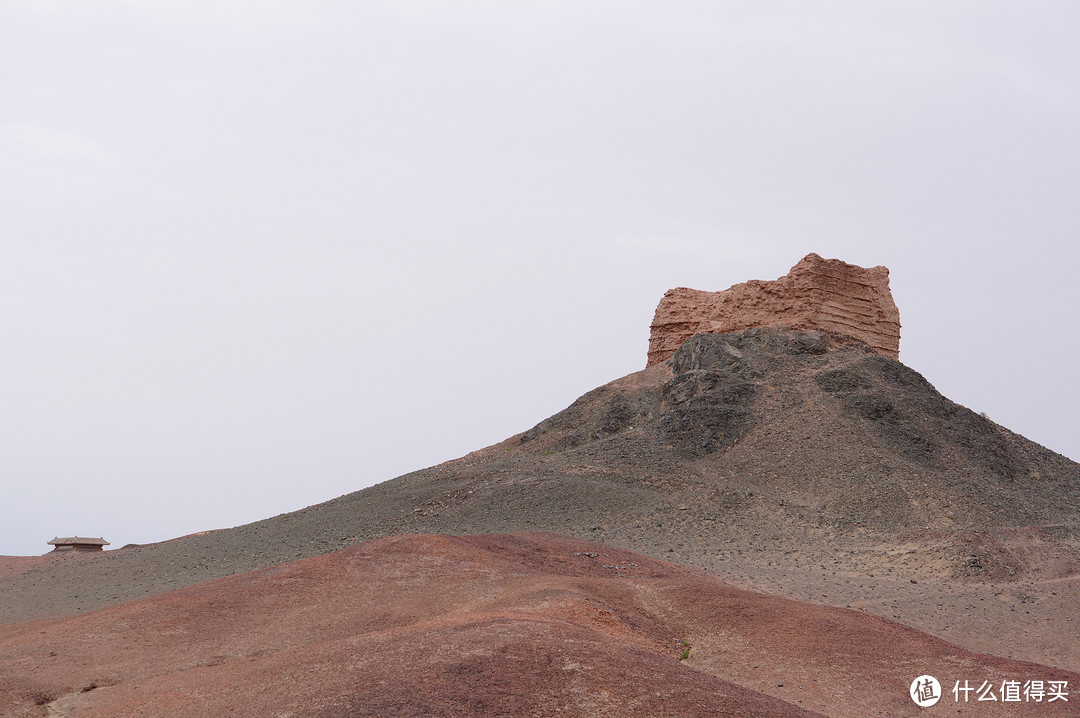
[{"x": 521, "y": 624}]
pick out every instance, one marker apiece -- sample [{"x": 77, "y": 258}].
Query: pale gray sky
[{"x": 254, "y": 255}]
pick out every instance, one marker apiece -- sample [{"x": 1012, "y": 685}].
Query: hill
[
  {"x": 797, "y": 462},
  {"x": 522, "y": 625}
]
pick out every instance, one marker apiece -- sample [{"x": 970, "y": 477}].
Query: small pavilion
[{"x": 78, "y": 543}]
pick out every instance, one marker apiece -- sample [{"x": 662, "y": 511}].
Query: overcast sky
[{"x": 255, "y": 255}]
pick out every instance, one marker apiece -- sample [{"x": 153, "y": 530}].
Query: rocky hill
[
  {"x": 805, "y": 463},
  {"x": 793, "y": 461}
]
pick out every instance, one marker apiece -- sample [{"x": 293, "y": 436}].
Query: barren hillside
[
  {"x": 495, "y": 625},
  {"x": 796, "y": 462}
]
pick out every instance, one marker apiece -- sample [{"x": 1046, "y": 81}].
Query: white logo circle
[{"x": 925, "y": 691}]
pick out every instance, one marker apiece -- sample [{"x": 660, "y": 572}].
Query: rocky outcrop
[{"x": 824, "y": 294}]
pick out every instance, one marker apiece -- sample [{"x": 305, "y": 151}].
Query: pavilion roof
[{"x": 68, "y": 540}]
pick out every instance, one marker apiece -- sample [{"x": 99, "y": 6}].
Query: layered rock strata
[{"x": 823, "y": 294}]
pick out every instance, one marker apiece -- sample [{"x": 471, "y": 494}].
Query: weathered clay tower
[{"x": 824, "y": 294}]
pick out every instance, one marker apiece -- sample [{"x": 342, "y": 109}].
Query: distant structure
[
  {"x": 78, "y": 543},
  {"x": 824, "y": 294}
]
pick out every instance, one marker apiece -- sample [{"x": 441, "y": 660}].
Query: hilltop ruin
[{"x": 824, "y": 294}]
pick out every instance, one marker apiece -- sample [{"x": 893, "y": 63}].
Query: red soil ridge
[
  {"x": 519, "y": 624},
  {"x": 824, "y": 294}
]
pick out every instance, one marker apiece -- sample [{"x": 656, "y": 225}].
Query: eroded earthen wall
[{"x": 817, "y": 293}]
